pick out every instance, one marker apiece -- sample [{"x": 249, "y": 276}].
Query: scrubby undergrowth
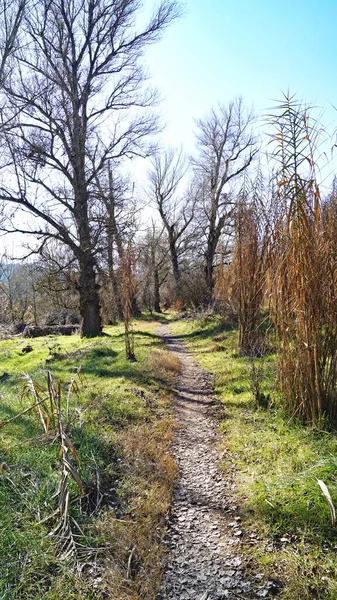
[
  {"x": 121, "y": 429},
  {"x": 277, "y": 462}
]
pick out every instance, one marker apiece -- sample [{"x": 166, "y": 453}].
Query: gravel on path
[{"x": 204, "y": 559}]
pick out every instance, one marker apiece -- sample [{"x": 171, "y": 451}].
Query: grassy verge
[
  {"x": 277, "y": 463},
  {"x": 121, "y": 428}
]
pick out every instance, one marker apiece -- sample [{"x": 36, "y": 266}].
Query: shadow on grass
[
  {"x": 89, "y": 367},
  {"x": 25, "y": 423},
  {"x": 102, "y": 352},
  {"x": 160, "y": 317},
  {"x": 202, "y": 333},
  {"x": 146, "y": 334}
]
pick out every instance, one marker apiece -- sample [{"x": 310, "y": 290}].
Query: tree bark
[
  {"x": 136, "y": 312},
  {"x": 209, "y": 268},
  {"x": 209, "y": 264},
  {"x": 175, "y": 263},
  {"x": 156, "y": 283},
  {"x": 117, "y": 297},
  {"x": 91, "y": 324}
]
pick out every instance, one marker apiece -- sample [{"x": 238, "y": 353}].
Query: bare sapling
[{"x": 128, "y": 290}]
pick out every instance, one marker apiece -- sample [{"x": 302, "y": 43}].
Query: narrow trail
[{"x": 204, "y": 559}]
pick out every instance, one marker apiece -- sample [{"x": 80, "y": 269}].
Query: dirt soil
[{"x": 204, "y": 560}]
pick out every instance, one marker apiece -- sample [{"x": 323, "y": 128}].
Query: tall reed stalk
[
  {"x": 249, "y": 266},
  {"x": 240, "y": 286},
  {"x": 303, "y": 272}
]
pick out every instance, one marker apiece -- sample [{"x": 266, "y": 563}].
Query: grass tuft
[{"x": 163, "y": 360}]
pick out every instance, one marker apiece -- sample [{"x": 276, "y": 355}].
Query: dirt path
[{"x": 204, "y": 559}]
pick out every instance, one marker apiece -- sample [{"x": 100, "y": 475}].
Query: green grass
[
  {"x": 278, "y": 462},
  {"x": 117, "y": 399}
]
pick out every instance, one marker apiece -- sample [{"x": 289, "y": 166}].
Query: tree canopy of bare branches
[
  {"x": 226, "y": 147},
  {"x": 175, "y": 208},
  {"x": 75, "y": 100}
]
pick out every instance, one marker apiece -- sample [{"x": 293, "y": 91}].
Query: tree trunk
[
  {"x": 114, "y": 236},
  {"x": 118, "y": 304},
  {"x": 209, "y": 276},
  {"x": 118, "y": 308},
  {"x": 212, "y": 242},
  {"x": 175, "y": 268},
  {"x": 136, "y": 312},
  {"x": 209, "y": 271},
  {"x": 35, "y": 308},
  {"x": 156, "y": 291},
  {"x": 91, "y": 324}
]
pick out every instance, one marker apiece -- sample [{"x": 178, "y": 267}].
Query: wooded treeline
[
  {"x": 76, "y": 107},
  {"x": 178, "y": 250}
]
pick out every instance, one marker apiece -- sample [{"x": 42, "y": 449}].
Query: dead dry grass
[
  {"x": 163, "y": 360},
  {"x": 134, "y": 568},
  {"x": 217, "y": 347},
  {"x": 221, "y": 337}
]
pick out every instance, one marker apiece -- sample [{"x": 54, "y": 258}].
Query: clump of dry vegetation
[
  {"x": 282, "y": 274},
  {"x": 127, "y": 295},
  {"x": 250, "y": 267},
  {"x": 216, "y": 347},
  {"x": 136, "y": 547},
  {"x": 241, "y": 284},
  {"x": 303, "y": 273},
  {"x": 162, "y": 360}
]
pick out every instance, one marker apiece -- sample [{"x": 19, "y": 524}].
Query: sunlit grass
[{"x": 116, "y": 398}]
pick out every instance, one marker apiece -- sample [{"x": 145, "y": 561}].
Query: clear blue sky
[{"x": 254, "y": 48}]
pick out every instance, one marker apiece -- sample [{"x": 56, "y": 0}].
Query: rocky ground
[{"x": 204, "y": 559}]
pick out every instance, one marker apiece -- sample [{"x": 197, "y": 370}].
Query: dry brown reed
[
  {"x": 241, "y": 284},
  {"x": 250, "y": 266},
  {"x": 303, "y": 271},
  {"x": 127, "y": 294},
  {"x": 53, "y": 415},
  {"x": 223, "y": 288}
]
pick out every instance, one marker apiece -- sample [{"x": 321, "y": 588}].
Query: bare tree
[
  {"x": 115, "y": 213},
  {"x": 77, "y": 102},
  {"x": 154, "y": 261},
  {"x": 11, "y": 16},
  {"x": 226, "y": 148},
  {"x": 176, "y": 209}
]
